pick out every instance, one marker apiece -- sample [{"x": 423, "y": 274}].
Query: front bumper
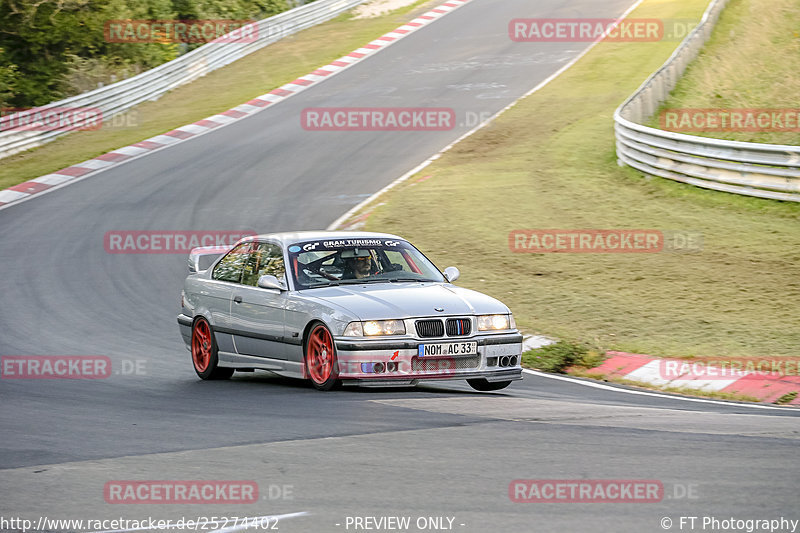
[{"x": 382, "y": 362}]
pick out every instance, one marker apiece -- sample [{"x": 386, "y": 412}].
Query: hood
[{"x": 408, "y": 300}]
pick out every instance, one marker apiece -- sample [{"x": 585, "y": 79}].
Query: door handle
[{"x": 237, "y": 299}]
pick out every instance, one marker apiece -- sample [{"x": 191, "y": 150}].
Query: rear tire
[
  {"x": 484, "y": 385},
  {"x": 322, "y": 367},
  {"x": 205, "y": 354}
]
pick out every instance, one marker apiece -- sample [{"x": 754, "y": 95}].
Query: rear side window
[{"x": 231, "y": 266}]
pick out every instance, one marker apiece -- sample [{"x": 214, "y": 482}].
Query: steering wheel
[{"x": 324, "y": 274}]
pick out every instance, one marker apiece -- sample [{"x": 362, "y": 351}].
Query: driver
[{"x": 358, "y": 264}]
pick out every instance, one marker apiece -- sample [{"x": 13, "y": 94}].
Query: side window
[
  {"x": 266, "y": 259},
  {"x": 398, "y": 261},
  {"x": 231, "y": 266}
]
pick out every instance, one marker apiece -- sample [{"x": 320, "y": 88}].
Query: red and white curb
[
  {"x": 766, "y": 386},
  {"x": 74, "y": 173},
  {"x": 531, "y": 342}
]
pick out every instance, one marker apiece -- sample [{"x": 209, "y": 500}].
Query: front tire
[
  {"x": 322, "y": 366},
  {"x": 205, "y": 353},
  {"x": 484, "y": 385}
]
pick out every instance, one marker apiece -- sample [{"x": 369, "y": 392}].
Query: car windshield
[{"x": 324, "y": 262}]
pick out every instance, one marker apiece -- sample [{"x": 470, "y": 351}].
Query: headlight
[
  {"x": 493, "y": 322},
  {"x": 374, "y": 328}
]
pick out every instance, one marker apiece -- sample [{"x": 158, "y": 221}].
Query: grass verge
[
  {"x": 243, "y": 80},
  {"x": 746, "y": 39},
  {"x": 560, "y": 356},
  {"x": 786, "y": 398},
  {"x": 549, "y": 162}
]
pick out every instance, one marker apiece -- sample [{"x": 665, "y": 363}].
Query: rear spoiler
[{"x": 196, "y": 254}]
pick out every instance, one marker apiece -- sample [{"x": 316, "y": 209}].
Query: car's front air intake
[{"x": 444, "y": 365}]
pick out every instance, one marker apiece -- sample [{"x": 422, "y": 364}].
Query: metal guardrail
[
  {"x": 150, "y": 85},
  {"x": 752, "y": 169}
]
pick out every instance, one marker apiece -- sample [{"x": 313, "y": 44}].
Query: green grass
[
  {"x": 243, "y": 80},
  {"x": 751, "y": 61},
  {"x": 786, "y": 398},
  {"x": 549, "y": 162},
  {"x": 560, "y": 356}
]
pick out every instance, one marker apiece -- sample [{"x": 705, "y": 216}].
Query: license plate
[{"x": 447, "y": 348}]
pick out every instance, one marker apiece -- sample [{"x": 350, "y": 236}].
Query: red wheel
[
  {"x": 204, "y": 352},
  {"x": 320, "y": 356}
]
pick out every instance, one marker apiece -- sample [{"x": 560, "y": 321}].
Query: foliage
[
  {"x": 560, "y": 355},
  {"x": 786, "y": 398},
  {"x": 57, "y": 49},
  {"x": 8, "y": 80}
]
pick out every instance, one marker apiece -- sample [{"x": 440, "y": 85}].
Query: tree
[
  {"x": 8, "y": 80},
  {"x": 55, "y": 49},
  {"x": 40, "y": 36}
]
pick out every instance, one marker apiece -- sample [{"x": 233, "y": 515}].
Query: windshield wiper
[
  {"x": 356, "y": 281},
  {"x": 325, "y": 284},
  {"x": 336, "y": 283}
]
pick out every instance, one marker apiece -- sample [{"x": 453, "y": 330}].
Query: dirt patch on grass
[{"x": 376, "y": 8}]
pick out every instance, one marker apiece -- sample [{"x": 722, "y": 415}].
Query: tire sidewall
[
  {"x": 213, "y": 358},
  {"x": 333, "y": 379}
]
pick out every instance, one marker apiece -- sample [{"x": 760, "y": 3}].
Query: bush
[
  {"x": 557, "y": 357},
  {"x": 57, "y": 49},
  {"x": 8, "y": 78}
]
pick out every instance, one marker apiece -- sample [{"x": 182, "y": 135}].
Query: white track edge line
[{"x": 604, "y": 386}]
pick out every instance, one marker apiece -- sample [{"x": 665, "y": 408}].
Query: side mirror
[
  {"x": 451, "y": 274},
  {"x": 271, "y": 282}
]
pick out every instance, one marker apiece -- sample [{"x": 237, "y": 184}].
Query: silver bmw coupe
[{"x": 342, "y": 308}]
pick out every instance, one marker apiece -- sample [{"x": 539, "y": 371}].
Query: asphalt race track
[{"x": 438, "y": 450}]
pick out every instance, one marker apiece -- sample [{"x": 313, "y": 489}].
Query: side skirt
[{"x": 289, "y": 369}]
